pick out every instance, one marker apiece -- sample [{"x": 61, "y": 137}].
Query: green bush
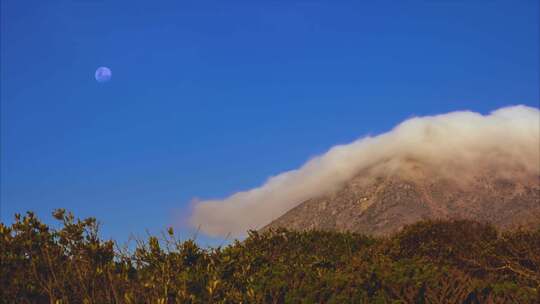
[{"x": 428, "y": 262}]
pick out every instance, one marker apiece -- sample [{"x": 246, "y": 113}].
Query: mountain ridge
[{"x": 384, "y": 203}]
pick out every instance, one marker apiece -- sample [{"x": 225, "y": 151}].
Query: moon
[{"x": 103, "y": 74}]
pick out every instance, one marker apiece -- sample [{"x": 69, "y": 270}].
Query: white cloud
[{"x": 454, "y": 143}]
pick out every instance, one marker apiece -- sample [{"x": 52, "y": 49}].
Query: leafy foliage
[{"x": 428, "y": 262}]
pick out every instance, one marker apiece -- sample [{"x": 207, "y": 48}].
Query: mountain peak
[{"x": 381, "y": 204}]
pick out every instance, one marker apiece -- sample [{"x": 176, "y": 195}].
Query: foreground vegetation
[{"x": 429, "y": 262}]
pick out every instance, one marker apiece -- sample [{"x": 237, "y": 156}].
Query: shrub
[{"x": 428, "y": 262}]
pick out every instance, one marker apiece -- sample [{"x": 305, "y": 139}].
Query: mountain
[
  {"x": 458, "y": 164},
  {"x": 380, "y": 204}
]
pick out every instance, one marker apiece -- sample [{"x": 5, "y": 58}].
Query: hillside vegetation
[{"x": 428, "y": 262}]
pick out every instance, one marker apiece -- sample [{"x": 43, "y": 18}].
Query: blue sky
[{"x": 211, "y": 97}]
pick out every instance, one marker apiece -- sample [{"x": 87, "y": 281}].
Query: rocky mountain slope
[{"x": 383, "y": 203}]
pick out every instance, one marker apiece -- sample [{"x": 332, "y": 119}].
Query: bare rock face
[{"x": 383, "y": 204}]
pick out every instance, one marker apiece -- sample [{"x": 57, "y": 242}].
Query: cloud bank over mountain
[{"x": 455, "y": 144}]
